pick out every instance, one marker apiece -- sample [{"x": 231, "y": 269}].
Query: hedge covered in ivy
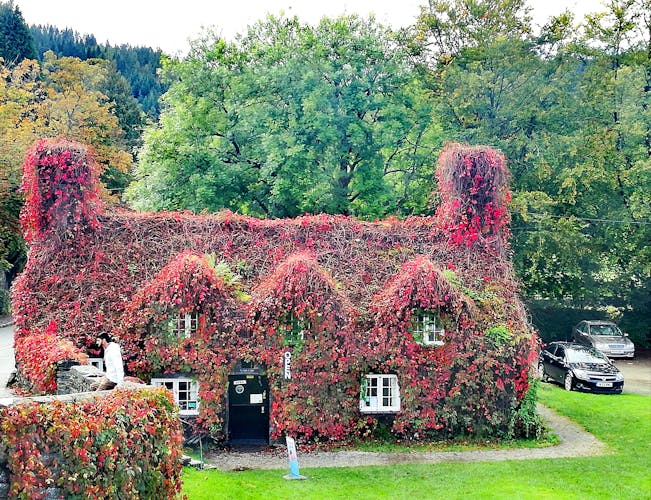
[{"x": 124, "y": 445}]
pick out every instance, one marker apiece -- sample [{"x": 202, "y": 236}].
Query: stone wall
[
  {"x": 4, "y": 474},
  {"x": 73, "y": 377}
]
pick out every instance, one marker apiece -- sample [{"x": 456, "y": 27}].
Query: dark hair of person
[{"x": 105, "y": 336}]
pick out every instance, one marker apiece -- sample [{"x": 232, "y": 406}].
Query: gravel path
[{"x": 575, "y": 442}]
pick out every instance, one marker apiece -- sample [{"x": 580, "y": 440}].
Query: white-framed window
[
  {"x": 185, "y": 390},
  {"x": 379, "y": 394},
  {"x": 427, "y": 328},
  {"x": 97, "y": 363},
  {"x": 185, "y": 325}
]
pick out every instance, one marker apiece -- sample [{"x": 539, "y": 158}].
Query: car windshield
[
  {"x": 604, "y": 330},
  {"x": 585, "y": 356}
]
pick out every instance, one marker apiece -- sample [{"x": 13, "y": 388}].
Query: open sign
[{"x": 287, "y": 365}]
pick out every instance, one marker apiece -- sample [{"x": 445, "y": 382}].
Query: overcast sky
[{"x": 168, "y": 25}]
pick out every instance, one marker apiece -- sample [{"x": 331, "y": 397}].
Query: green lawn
[{"x": 623, "y": 422}]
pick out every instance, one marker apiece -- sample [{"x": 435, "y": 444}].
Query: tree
[
  {"x": 446, "y": 28},
  {"x": 612, "y": 175},
  {"x": 77, "y": 107},
  {"x": 66, "y": 97},
  {"x": 494, "y": 82},
  {"x": 138, "y": 65},
  {"x": 16, "y": 42},
  {"x": 290, "y": 119},
  {"x": 131, "y": 121},
  {"x": 570, "y": 111},
  {"x": 19, "y": 91}
]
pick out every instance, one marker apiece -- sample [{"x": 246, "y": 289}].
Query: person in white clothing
[{"x": 113, "y": 366}]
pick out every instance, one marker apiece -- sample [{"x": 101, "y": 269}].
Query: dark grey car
[
  {"x": 605, "y": 336},
  {"x": 579, "y": 367}
]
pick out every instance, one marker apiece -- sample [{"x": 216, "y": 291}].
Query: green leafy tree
[
  {"x": 291, "y": 119},
  {"x": 494, "y": 82},
  {"x": 570, "y": 109},
  {"x": 446, "y": 28},
  {"x": 610, "y": 179}
]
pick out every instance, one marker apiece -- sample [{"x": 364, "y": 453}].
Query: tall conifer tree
[{"x": 16, "y": 42}]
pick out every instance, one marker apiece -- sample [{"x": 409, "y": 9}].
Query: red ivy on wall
[
  {"x": 61, "y": 190},
  {"x": 423, "y": 371},
  {"x": 319, "y": 402},
  {"x": 353, "y": 286},
  {"x": 187, "y": 284}
]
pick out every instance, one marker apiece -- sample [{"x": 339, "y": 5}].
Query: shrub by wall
[
  {"x": 124, "y": 445},
  {"x": 38, "y": 354}
]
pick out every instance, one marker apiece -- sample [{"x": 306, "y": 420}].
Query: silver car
[{"x": 604, "y": 336}]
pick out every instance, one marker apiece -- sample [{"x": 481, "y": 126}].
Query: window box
[{"x": 380, "y": 394}]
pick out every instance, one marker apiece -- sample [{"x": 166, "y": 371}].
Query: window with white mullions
[
  {"x": 185, "y": 325},
  {"x": 185, "y": 390},
  {"x": 388, "y": 390},
  {"x": 427, "y": 328},
  {"x": 380, "y": 394}
]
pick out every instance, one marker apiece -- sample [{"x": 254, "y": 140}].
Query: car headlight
[
  {"x": 601, "y": 347},
  {"x": 582, "y": 374},
  {"x": 619, "y": 376}
]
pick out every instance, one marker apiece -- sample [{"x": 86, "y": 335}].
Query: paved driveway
[{"x": 637, "y": 372}]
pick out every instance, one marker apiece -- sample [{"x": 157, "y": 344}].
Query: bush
[
  {"x": 525, "y": 421},
  {"x": 125, "y": 445},
  {"x": 37, "y": 353}
]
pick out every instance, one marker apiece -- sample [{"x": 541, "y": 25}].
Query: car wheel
[
  {"x": 569, "y": 382},
  {"x": 541, "y": 373}
]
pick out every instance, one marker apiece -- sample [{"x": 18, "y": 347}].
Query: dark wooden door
[{"x": 248, "y": 409}]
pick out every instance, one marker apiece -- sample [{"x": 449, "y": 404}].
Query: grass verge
[{"x": 622, "y": 422}]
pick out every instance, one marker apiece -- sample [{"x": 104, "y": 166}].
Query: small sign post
[{"x": 293, "y": 460}]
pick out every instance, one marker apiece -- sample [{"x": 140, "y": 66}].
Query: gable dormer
[
  {"x": 419, "y": 304},
  {"x": 186, "y": 304},
  {"x": 298, "y": 302}
]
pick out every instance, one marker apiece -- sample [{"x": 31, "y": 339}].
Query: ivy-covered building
[{"x": 322, "y": 327}]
